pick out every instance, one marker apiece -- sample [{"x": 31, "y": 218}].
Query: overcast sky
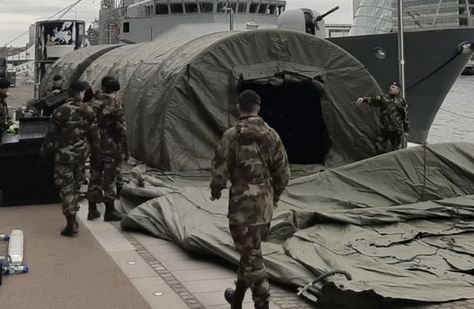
[{"x": 17, "y": 15}]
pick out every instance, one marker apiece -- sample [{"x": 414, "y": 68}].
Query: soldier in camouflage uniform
[
  {"x": 5, "y": 120},
  {"x": 113, "y": 149},
  {"x": 56, "y": 87},
  {"x": 393, "y": 118},
  {"x": 119, "y": 181},
  {"x": 72, "y": 134},
  {"x": 252, "y": 156}
]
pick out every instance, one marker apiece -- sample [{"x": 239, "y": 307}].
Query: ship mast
[{"x": 107, "y": 21}]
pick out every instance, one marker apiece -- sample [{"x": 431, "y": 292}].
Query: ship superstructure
[{"x": 141, "y": 21}]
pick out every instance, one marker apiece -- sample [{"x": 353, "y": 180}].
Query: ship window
[
  {"x": 126, "y": 27},
  {"x": 191, "y": 7},
  {"x": 147, "y": 10},
  {"x": 272, "y": 9},
  {"x": 280, "y": 9},
  {"x": 262, "y": 9},
  {"x": 176, "y": 8},
  {"x": 161, "y": 9},
  {"x": 206, "y": 7},
  {"x": 242, "y": 7},
  {"x": 253, "y": 7}
]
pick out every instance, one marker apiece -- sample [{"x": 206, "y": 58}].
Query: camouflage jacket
[
  {"x": 252, "y": 156},
  {"x": 112, "y": 126},
  {"x": 393, "y": 113},
  {"x": 51, "y": 89},
  {"x": 72, "y": 133},
  {"x": 5, "y": 119}
]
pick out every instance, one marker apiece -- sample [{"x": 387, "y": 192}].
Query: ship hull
[{"x": 433, "y": 62}]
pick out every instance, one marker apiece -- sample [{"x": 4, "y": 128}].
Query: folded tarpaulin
[{"x": 401, "y": 224}]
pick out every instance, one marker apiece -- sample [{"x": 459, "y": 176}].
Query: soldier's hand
[
  {"x": 126, "y": 156},
  {"x": 360, "y": 100},
  {"x": 215, "y": 195},
  {"x": 56, "y": 91},
  {"x": 275, "y": 202}
]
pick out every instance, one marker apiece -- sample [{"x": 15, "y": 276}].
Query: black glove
[{"x": 215, "y": 195}]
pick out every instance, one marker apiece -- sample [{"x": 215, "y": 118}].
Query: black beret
[
  {"x": 111, "y": 86},
  {"x": 57, "y": 77},
  {"x": 395, "y": 83},
  {"x": 89, "y": 93},
  {"x": 249, "y": 97},
  {"x": 105, "y": 80},
  {"x": 78, "y": 86},
  {"x": 4, "y": 83}
]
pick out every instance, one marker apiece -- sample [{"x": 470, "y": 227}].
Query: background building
[
  {"x": 379, "y": 16},
  {"x": 435, "y": 13},
  {"x": 355, "y": 6}
]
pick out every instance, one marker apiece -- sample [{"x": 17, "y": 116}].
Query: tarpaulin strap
[{"x": 322, "y": 277}]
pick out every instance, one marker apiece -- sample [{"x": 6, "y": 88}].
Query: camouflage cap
[
  {"x": 4, "y": 83},
  {"x": 57, "y": 77}
]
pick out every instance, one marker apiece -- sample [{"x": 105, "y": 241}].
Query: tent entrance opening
[{"x": 294, "y": 111}]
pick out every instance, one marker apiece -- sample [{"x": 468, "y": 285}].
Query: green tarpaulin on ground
[{"x": 401, "y": 224}]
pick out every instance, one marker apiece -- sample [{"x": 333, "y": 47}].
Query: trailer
[{"x": 27, "y": 177}]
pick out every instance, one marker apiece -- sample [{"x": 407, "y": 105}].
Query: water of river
[{"x": 455, "y": 120}]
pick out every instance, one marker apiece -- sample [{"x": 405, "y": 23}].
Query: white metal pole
[
  {"x": 401, "y": 48},
  {"x": 468, "y": 11}
]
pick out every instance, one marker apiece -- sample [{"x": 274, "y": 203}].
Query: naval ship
[{"x": 434, "y": 57}]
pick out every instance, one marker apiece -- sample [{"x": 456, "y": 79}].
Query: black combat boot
[
  {"x": 235, "y": 297},
  {"x": 71, "y": 228},
  {"x": 94, "y": 213},
  {"x": 111, "y": 214},
  {"x": 262, "y": 306},
  {"x": 119, "y": 188}
]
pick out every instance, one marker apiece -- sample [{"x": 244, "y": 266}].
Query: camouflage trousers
[
  {"x": 389, "y": 141},
  {"x": 102, "y": 180},
  {"x": 252, "y": 273},
  {"x": 69, "y": 178},
  {"x": 119, "y": 179}
]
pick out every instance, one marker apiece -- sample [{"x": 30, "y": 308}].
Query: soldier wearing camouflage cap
[
  {"x": 72, "y": 135},
  {"x": 394, "y": 125},
  {"x": 252, "y": 156},
  {"x": 5, "y": 120}
]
